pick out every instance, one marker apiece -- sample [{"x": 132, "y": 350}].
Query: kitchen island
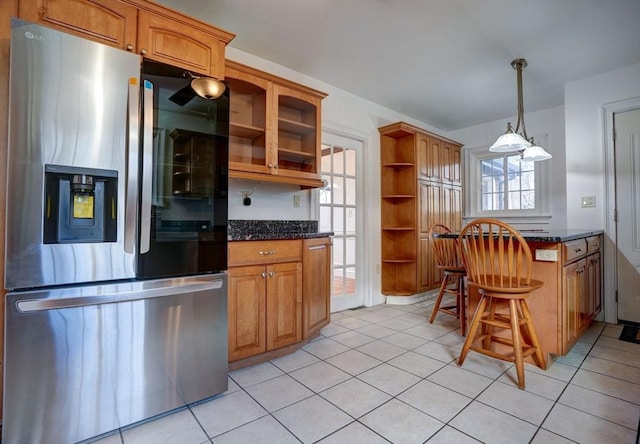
[
  {"x": 279, "y": 288},
  {"x": 569, "y": 263}
]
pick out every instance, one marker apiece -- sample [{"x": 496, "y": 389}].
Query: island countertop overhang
[{"x": 547, "y": 235}]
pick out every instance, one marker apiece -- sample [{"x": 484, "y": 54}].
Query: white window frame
[{"x": 473, "y": 186}]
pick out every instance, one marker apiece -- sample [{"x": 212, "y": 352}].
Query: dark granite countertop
[
  {"x": 549, "y": 235},
  {"x": 247, "y": 230}
]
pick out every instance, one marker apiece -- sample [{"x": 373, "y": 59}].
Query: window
[
  {"x": 500, "y": 185},
  {"x": 507, "y": 184}
]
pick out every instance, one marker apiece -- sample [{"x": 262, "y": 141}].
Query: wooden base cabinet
[
  {"x": 264, "y": 307},
  {"x": 139, "y": 26},
  {"x": 420, "y": 186},
  {"x": 570, "y": 298},
  {"x": 316, "y": 286}
]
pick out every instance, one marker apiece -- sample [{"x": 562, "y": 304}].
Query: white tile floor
[{"x": 383, "y": 374}]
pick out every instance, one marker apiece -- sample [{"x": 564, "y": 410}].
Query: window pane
[
  {"x": 350, "y": 191},
  {"x": 325, "y": 194},
  {"x": 350, "y": 280},
  {"x": 350, "y": 162},
  {"x": 351, "y": 221},
  {"x": 338, "y": 190},
  {"x": 350, "y": 250},
  {"x": 338, "y": 221},
  {"x": 507, "y": 176},
  {"x": 338, "y": 251},
  {"x": 325, "y": 219},
  {"x": 338, "y": 160},
  {"x": 487, "y": 203},
  {"x": 527, "y": 182},
  {"x": 487, "y": 184},
  {"x": 514, "y": 200},
  {"x": 528, "y": 200},
  {"x": 325, "y": 161}
]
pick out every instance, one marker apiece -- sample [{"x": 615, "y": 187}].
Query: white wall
[
  {"x": 346, "y": 114},
  {"x": 585, "y": 146},
  {"x": 587, "y": 104},
  {"x": 542, "y": 125}
]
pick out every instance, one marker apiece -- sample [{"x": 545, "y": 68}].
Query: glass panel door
[{"x": 339, "y": 213}]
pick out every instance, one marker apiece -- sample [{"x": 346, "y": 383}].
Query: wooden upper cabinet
[
  {"x": 451, "y": 163},
  {"x": 165, "y": 40},
  {"x": 111, "y": 22},
  {"x": 139, "y": 26},
  {"x": 275, "y": 128},
  {"x": 439, "y": 159}
]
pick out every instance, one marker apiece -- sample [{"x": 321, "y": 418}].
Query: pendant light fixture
[
  {"x": 513, "y": 140},
  {"x": 208, "y": 87}
]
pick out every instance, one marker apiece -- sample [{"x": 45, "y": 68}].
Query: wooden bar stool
[
  {"x": 498, "y": 262},
  {"x": 449, "y": 262}
]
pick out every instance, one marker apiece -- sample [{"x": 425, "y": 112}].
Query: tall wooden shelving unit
[{"x": 420, "y": 185}]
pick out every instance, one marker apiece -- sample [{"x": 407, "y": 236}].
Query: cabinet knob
[
  {"x": 129, "y": 47},
  {"x": 271, "y": 274},
  {"x": 143, "y": 52},
  {"x": 270, "y": 165},
  {"x": 263, "y": 274},
  {"x": 276, "y": 166}
]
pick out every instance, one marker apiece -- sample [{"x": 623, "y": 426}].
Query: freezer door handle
[
  {"x": 147, "y": 168},
  {"x": 33, "y": 305},
  {"x": 131, "y": 185}
]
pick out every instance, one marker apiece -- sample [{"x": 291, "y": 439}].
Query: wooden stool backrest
[
  {"x": 445, "y": 250},
  {"x": 495, "y": 255}
]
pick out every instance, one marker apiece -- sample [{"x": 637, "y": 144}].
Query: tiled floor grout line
[
  {"x": 557, "y": 400},
  {"x": 580, "y": 358}
]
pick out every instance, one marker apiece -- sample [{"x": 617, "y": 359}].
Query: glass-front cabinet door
[
  {"x": 298, "y": 140},
  {"x": 248, "y": 122},
  {"x": 274, "y": 129}
]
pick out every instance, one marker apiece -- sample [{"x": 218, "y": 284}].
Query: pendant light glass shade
[
  {"x": 509, "y": 142},
  {"x": 535, "y": 153},
  {"x": 207, "y": 87}
]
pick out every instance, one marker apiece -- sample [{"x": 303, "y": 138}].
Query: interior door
[
  {"x": 627, "y": 160},
  {"x": 341, "y": 210}
]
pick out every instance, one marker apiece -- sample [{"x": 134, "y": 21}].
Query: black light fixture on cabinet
[{"x": 513, "y": 140}]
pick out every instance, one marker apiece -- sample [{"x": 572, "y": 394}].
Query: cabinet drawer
[
  {"x": 261, "y": 252},
  {"x": 573, "y": 250},
  {"x": 594, "y": 243}
]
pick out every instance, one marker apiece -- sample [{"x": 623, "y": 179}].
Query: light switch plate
[
  {"x": 547, "y": 255},
  {"x": 588, "y": 201}
]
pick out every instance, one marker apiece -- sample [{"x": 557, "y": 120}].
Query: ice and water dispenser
[{"x": 80, "y": 205}]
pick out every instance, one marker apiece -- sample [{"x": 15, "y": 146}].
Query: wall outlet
[
  {"x": 296, "y": 200},
  {"x": 547, "y": 255}
]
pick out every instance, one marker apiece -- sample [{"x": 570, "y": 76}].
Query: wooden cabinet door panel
[
  {"x": 178, "y": 44},
  {"x": 246, "y": 311},
  {"x": 284, "y": 304},
  {"x": 316, "y": 291},
  {"x": 106, "y": 21}
]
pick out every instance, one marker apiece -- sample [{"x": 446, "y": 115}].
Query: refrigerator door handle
[
  {"x": 33, "y": 305},
  {"x": 131, "y": 185},
  {"x": 147, "y": 168}
]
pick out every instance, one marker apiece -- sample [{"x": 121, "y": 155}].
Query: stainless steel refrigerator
[{"x": 116, "y": 239}]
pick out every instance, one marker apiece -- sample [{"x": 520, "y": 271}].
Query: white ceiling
[{"x": 443, "y": 62}]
